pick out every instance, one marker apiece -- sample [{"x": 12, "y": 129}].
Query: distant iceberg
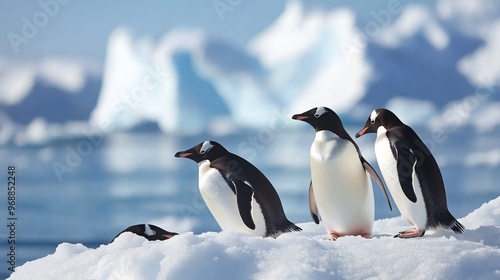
[
  {"x": 314, "y": 58},
  {"x": 188, "y": 79}
]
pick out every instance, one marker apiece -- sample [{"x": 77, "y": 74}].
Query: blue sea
[{"x": 86, "y": 190}]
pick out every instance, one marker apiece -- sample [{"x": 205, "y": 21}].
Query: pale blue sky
[{"x": 82, "y": 27}]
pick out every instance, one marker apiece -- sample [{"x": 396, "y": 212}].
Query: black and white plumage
[
  {"x": 411, "y": 174},
  {"x": 237, "y": 194},
  {"x": 340, "y": 191},
  {"x": 150, "y": 232}
]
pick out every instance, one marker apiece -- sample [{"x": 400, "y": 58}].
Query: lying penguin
[{"x": 150, "y": 232}]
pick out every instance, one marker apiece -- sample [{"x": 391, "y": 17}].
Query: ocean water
[{"x": 86, "y": 190}]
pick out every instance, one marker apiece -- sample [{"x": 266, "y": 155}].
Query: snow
[
  {"x": 290, "y": 36},
  {"x": 67, "y": 74},
  {"x": 15, "y": 83},
  {"x": 40, "y": 131},
  {"x": 17, "y": 79},
  {"x": 461, "y": 8},
  {"x": 475, "y": 111},
  {"x": 439, "y": 254},
  {"x": 314, "y": 58},
  {"x": 487, "y": 117},
  {"x": 486, "y": 158},
  {"x": 6, "y": 129},
  {"x": 142, "y": 81},
  {"x": 131, "y": 83},
  {"x": 477, "y": 19},
  {"x": 472, "y": 17},
  {"x": 477, "y": 67}
]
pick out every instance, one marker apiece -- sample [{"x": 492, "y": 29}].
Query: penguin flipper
[
  {"x": 244, "y": 194},
  {"x": 405, "y": 164},
  {"x": 313, "y": 208},
  {"x": 377, "y": 179}
]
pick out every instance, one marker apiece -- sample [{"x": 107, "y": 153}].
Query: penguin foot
[
  {"x": 366, "y": 235},
  {"x": 410, "y": 233},
  {"x": 333, "y": 236}
]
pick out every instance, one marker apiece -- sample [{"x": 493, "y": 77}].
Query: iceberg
[
  {"x": 314, "y": 57},
  {"x": 189, "y": 82}
]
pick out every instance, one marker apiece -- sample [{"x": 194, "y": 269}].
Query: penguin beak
[
  {"x": 299, "y": 117},
  {"x": 361, "y": 132},
  {"x": 182, "y": 154},
  {"x": 168, "y": 235}
]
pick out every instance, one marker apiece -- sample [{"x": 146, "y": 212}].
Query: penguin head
[
  {"x": 150, "y": 232},
  {"x": 379, "y": 117},
  {"x": 322, "y": 118},
  {"x": 207, "y": 150}
]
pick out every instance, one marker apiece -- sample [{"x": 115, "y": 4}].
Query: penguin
[
  {"x": 411, "y": 174},
  {"x": 340, "y": 192},
  {"x": 238, "y": 195},
  {"x": 150, "y": 232}
]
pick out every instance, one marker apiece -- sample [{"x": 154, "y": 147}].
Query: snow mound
[{"x": 304, "y": 255}]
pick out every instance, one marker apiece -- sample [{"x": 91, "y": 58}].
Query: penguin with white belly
[
  {"x": 411, "y": 174},
  {"x": 340, "y": 192},
  {"x": 237, "y": 194}
]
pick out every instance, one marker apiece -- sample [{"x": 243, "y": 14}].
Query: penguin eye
[
  {"x": 205, "y": 147},
  {"x": 373, "y": 116},
  {"x": 319, "y": 111}
]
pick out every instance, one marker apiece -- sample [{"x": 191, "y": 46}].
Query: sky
[{"x": 82, "y": 28}]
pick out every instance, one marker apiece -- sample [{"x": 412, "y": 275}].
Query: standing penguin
[
  {"x": 411, "y": 173},
  {"x": 340, "y": 191},
  {"x": 237, "y": 194}
]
